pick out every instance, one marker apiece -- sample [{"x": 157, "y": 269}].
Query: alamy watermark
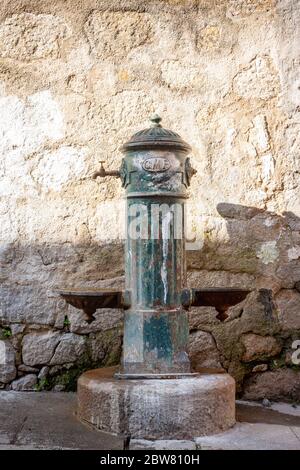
[
  {"x": 296, "y": 354},
  {"x": 114, "y": 221},
  {"x": 2, "y": 352},
  {"x": 160, "y": 222}
]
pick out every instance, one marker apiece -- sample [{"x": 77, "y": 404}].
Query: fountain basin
[
  {"x": 91, "y": 299},
  {"x": 200, "y": 405},
  {"x": 218, "y": 297}
]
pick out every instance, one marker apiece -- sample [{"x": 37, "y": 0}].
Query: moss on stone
[{"x": 109, "y": 343}]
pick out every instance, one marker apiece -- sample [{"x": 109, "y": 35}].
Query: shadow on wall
[
  {"x": 47, "y": 344},
  {"x": 245, "y": 247},
  {"x": 253, "y": 241},
  {"x": 259, "y": 250}
]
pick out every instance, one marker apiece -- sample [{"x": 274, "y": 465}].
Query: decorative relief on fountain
[
  {"x": 189, "y": 172},
  {"x": 124, "y": 174},
  {"x": 156, "y": 164}
]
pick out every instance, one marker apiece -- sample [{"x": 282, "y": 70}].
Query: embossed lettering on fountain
[{"x": 156, "y": 164}]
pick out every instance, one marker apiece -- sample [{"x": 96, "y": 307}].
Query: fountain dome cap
[{"x": 155, "y": 136}]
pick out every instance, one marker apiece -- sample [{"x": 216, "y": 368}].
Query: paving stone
[
  {"x": 46, "y": 420},
  {"x": 138, "y": 444},
  {"x": 246, "y": 436},
  {"x": 26, "y": 383}
]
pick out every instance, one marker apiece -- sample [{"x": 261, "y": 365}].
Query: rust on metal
[
  {"x": 219, "y": 298},
  {"x": 89, "y": 300},
  {"x": 103, "y": 172}
]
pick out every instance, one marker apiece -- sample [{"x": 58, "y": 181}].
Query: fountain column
[{"x": 154, "y": 394}]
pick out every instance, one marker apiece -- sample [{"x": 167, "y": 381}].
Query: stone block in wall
[
  {"x": 260, "y": 368},
  {"x": 288, "y": 273},
  {"x": 17, "y": 328},
  {"x": 113, "y": 34},
  {"x": 54, "y": 370},
  {"x": 203, "y": 351},
  {"x": 105, "y": 347},
  {"x": 178, "y": 76},
  {"x": 26, "y": 303},
  {"x": 257, "y": 314},
  {"x": 259, "y": 347},
  {"x": 246, "y": 8},
  {"x": 8, "y": 369},
  {"x": 27, "y": 369},
  {"x": 28, "y": 36},
  {"x": 205, "y": 278},
  {"x": 258, "y": 80},
  {"x": 24, "y": 384},
  {"x": 254, "y": 242},
  {"x": 203, "y": 318},
  {"x": 38, "y": 348},
  {"x": 288, "y": 302},
  {"x": 43, "y": 373},
  {"x": 281, "y": 384},
  {"x": 70, "y": 348}
]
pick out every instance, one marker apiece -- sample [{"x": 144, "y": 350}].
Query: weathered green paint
[
  {"x": 157, "y": 336},
  {"x": 155, "y": 175}
]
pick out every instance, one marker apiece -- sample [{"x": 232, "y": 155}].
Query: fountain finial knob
[{"x": 155, "y": 119}]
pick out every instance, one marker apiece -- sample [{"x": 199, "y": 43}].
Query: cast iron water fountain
[{"x": 155, "y": 173}]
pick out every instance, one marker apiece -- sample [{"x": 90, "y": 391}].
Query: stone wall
[{"x": 76, "y": 80}]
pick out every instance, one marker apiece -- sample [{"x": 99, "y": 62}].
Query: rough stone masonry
[{"x": 76, "y": 80}]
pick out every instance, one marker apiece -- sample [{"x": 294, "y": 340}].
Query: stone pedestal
[{"x": 150, "y": 409}]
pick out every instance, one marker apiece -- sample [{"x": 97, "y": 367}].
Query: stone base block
[{"x": 150, "y": 409}]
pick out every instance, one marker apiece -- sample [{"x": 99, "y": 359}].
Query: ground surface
[{"x": 47, "y": 420}]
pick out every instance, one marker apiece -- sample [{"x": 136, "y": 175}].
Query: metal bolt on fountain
[{"x": 155, "y": 173}]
